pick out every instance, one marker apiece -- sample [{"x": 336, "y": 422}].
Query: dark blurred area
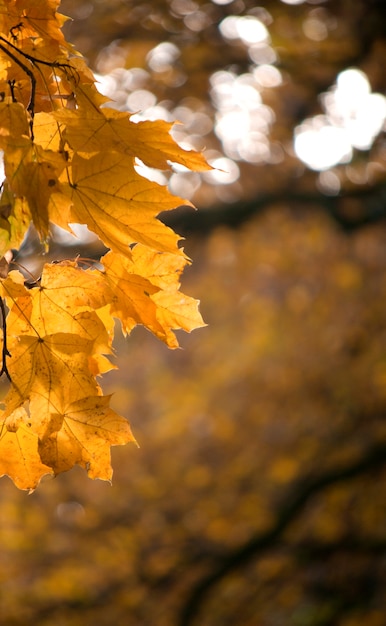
[{"x": 257, "y": 496}]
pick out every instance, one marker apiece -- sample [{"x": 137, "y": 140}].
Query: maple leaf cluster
[{"x": 69, "y": 158}]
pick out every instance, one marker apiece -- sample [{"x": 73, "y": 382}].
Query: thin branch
[
  {"x": 25, "y": 69},
  {"x": 5, "y": 351},
  {"x": 34, "y": 62},
  {"x": 291, "y": 509}
]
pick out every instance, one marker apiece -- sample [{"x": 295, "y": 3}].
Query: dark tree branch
[
  {"x": 373, "y": 201},
  {"x": 291, "y": 509},
  {"x": 313, "y": 550}
]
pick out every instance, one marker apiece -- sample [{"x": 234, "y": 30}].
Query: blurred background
[{"x": 258, "y": 494}]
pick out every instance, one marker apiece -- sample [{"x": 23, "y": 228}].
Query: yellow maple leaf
[
  {"x": 32, "y": 174},
  {"x": 15, "y": 218},
  {"x": 19, "y": 455},
  {"x": 131, "y": 302},
  {"x": 118, "y": 204},
  {"x": 55, "y": 366},
  {"x": 146, "y": 289},
  {"x": 27, "y": 19},
  {"x": 89, "y": 428},
  {"x": 56, "y": 346},
  {"x": 47, "y": 132},
  {"x": 90, "y": 127},
  {"x": 14, "y": 122},
  {"x": 174, "y": 309},
  {"x": 65, "y": 289},
  {"x": 58, "y": 303}
]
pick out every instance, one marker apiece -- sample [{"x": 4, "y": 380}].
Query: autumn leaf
[
  {"x": 19, "y": 455},
  {"x": 71, "y": 159},
  {"x": 15, "y": 218},
  {"x": 118, "y": 204},
  {"x": 156, "y": 302},
  {"x": 26, "y": 20},
  {"x": 88, "y": 428},
  {"x": 90, "y": 127},
  {"x": 13, "y": 124},
  {"x": 32, "y": 173},
  {"x": 131, "y": 302}
]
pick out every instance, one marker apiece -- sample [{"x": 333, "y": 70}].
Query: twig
[
  {"x": 25, "y": 69},
  {"x": 5, "y": 351}
]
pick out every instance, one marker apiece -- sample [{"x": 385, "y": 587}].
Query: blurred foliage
[
  {"x": 286, "y": 383},
  {"x": 306, "y": 46},
  {"x": 285, "y": 388}
]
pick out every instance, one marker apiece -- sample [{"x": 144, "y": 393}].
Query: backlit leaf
[
  {"x": 118, "y": 204},
  {"x": 70, "y": 159},
  {"x": 89, "y": 428},
  {"x": 90, "y": 127},
  {"x": 19, "y": 456}
]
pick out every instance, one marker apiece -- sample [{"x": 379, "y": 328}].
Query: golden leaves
[
  {"x": 69, "y": 158},
  {"x": 56, "y": 345},
  {"x": 118, "y": 204},
  {"x": 90, "y": 127}
]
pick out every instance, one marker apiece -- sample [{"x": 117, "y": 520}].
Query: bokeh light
[
  {"x": 163, "y": 56},
  {"x": 225, "y": 171},
  {"x": 247, "y": 28},
  {"x": 240, "y": 112},
  {"x": 321, "y": 145},
  {"x": 353, "y": 117}
]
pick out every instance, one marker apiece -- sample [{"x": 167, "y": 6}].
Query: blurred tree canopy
[
  {"x": 245, "y": 79},
  {"x": 258, "y": 494}
]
